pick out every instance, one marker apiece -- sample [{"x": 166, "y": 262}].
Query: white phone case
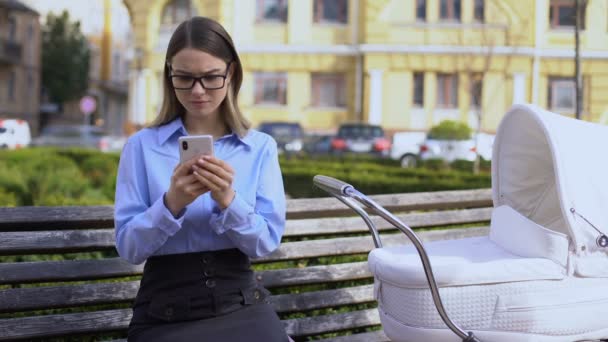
[{"x": 191, "y": 146}]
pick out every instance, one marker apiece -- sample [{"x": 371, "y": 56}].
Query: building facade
[
  {"x": 403, "y": 64},
  {"x": 19, "y": 63},
  {"x": 106, "y": 26},
  {"x": 108, "y": 70}
]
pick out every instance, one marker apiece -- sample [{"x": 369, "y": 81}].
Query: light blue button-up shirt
[{"x": 253, "y": 222}]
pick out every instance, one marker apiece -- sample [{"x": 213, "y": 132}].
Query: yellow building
[
  {"x": 19, "y": 63},
  {"x": 404, "y": 64}
]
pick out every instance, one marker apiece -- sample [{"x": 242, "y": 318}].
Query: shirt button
[
  {"x": 209, "y": 272},
  {"x": 256, "y": 294},
  {"x": 206, "y": 260},
  {"x": 169, "y": 312},
  {"x": 210, "y": 283}
]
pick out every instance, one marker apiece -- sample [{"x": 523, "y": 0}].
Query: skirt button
[{"x": 210, "y": 283}]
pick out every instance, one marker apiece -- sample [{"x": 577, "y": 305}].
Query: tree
[
  {"x": 579, "y": 10},
  {"x": 65, "y": 58},
  {"x": 478, "y": 63}
]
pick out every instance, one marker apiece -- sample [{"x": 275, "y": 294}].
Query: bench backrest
[{"x": 64, "y": 258}]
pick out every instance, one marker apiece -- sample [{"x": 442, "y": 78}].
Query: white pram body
[{"x": 542, "y": 273}]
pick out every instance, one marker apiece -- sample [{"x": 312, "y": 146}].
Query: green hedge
[
  {"x": 48, "y": 176},
  {"x": 382, "y": 180}
]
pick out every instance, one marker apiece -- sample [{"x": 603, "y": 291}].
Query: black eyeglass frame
[{"x": 200, "y": 79}]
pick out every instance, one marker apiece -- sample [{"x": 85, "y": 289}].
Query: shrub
[
  {"x": 100, "y": 170},
  {"x": 85, "y": 177},
  {"x": 450, "y": 130},
  {"x": 41, "y": 176},
  {"x": 13, "y": 186}
]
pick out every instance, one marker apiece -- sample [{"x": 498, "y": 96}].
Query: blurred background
[{"x": 403, "y": 80}]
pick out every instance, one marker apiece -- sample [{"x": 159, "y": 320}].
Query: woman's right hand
[{"x": 184, "y": 188}]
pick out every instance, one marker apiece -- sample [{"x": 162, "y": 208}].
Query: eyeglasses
[{"x": 208, "y": 82}]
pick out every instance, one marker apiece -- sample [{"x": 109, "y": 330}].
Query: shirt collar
[
  {"x": 166, "y": 131},
  {"x": 247, "y": 140}
]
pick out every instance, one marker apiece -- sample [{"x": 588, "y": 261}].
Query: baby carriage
[{"x": 542, "y": 272}]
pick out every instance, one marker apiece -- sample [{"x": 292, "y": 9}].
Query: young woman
[{"x": 196, "y": 224}]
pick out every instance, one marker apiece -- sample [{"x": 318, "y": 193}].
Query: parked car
[
  {"x": 288, "y": 135},
  {"x": 14, "y": 134},
  {"x": 79, "y": 136},
  {"x": 406, "y": 146},
  {"x": 450, "y": 150},
  {"x": 318, "y": 144},
  {"x": 361, "y": 138}
]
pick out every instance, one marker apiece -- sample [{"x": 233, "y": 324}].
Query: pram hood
[{"x": 544, "y": 167}]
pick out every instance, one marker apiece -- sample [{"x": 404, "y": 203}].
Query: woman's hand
[
  {"x": 184, "y": 188},
  {"x": 217, "y": 176}
]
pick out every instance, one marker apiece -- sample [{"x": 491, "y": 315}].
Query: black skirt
[{"x": 205, "y": 296}]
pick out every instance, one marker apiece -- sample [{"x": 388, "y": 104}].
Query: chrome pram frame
[{"x": 348, "y": 195}]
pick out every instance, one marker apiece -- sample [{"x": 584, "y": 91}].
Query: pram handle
[
  {"x": 346, "y": 193},
  {"x": 331, "y": 185}
]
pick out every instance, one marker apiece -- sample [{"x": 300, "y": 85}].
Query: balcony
[{"x": 10, "y": 52}]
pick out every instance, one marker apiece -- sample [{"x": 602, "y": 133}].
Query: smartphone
[{"x": 191, "y": 146}]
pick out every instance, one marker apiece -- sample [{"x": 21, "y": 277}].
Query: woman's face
[{"x": 198, "y": 101}]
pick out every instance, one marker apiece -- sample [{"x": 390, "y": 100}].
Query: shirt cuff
[
  {"x": 165, "y": 220},
  {"x": 235, "y": 215}
]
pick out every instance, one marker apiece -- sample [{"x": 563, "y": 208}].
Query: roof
[{"x": 16, "y": 6}]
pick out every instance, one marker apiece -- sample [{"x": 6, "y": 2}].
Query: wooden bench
[{"x": 318, "y": 292}]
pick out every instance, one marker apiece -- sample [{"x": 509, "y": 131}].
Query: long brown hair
[{"x": 208, "y": 36}]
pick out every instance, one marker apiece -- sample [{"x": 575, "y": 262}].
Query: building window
[
  {"x": 12, "y": 28},
  {"x": 11, "y": 86},
  {"x": 177, "y": 11},
  {"x": 270, "y": 88},
  {"x": 447, "y": 90},
  {"x": 421, "y": 10},
  {"x": 272, "y": 10},
  {"x": 450, "y": 10},
  {"x": 418, "y": 89},
  {"x": 174, "y": 13},
  {"x": 330, "y": 11},
  {"x": 478, "y": 11},
  {"x": 562, "y": 94},
  {"x": 562, "y": 13},
  {"x": 328, "y": 90},
  {"x": 476, "y": 90}
]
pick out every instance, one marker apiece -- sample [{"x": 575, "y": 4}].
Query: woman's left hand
[{"x": 217, "y": 175}]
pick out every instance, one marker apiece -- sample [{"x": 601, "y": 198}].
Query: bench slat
[
  {"x": 25, "y": 272},
  {"x": 323, "y": 299},
  {"x": 342, "y": 225},
  {"x": 330, "y": 207},
  {"x": 118, "y": 320},
  {"x": 65, "y": 241},
  {"x": 45, "y": 218},
  {"x": 315, "y": 274},
  {"x": 362, "y": 244},
  {"x": 23, "y": 299},
  {"x": 62, "y": 325},
  {"x": 52, "y": 297},
  {"x": 330, "y": 323},
  {"x": 83, "y": 217},
  {"x": 66, "y": 270},
  {"x": 59, "y": 241},
  {"x": 374, "y": 336}
]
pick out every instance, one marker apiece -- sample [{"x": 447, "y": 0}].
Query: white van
[
  {"x": 406, "y": 146},
  {"x": 14, "y": 134}
]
